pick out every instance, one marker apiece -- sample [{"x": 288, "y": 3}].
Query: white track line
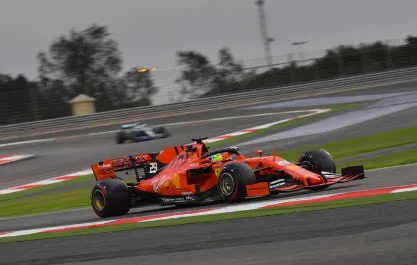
[
  {"x": 315, "y": 111},
  {"x": 46, "y": 182},
  {"x": 217, "y": 210},
  {"x": 28, "y": 142}
]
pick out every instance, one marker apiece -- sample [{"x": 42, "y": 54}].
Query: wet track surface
[
  {"x": 377, "y": 234},
  {"x": 398, "y": 120}
]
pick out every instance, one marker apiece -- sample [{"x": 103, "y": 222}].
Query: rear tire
[
  {"x": 318, "y": 161},
  {"x": 120, "y": 138},
  {"x": 232, "y": 181},
  {"x": 110, "y": 198},
  {"x": 161, "y": 130}
]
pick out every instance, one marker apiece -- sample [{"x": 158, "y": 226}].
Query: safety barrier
[{"x": 208, "y": 103}]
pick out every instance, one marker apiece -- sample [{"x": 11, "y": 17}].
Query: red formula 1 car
[{"x": 191, "y": 174}]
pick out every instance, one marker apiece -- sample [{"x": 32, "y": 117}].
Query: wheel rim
[
  {"x": 227, "y": 184},
  {"x": 99, "y": 200}
]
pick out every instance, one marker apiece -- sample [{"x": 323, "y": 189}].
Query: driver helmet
[{"x": 220, "y": 157}]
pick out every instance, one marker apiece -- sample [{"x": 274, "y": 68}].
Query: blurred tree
[
  {"x": 198, "y": 75},
  {"x": 229, "y": 73},
  {"x": 20, "y": 102},
  {"x": 53, "y": 98},
  {"x": 203, "y": 78},
  {"x": 343, "y": 60},
  {"x": 139, "y": 87},
  {"x": 89, "y": 62},
  {"x": 228, "y": 69},
  {"x": 82, "y": 61},
  {"x": 411, "y": 43}
]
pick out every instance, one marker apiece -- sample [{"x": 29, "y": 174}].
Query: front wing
[{"x": 282, "y": 185}]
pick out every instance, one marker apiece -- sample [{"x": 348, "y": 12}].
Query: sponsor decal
[
  {"x": 106, "y": 169},
  {"x": 157, "y": 183},
  {"x": 168, "y": 199},
  {"x": 329, "y": 174},
  {"x": 277, "y": 183},
  {"x": 217, "y": 171},
  {"x": 283, "y": 163},
  {"x": 178, "y": 199},
  {"x": 189, "y": 198},
  {"x": 176, "y": 181},
  {"x": 194, "y": 165}
]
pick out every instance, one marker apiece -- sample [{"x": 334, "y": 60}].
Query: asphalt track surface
[
  {"x": 73, "y": 154},
  {"x": 398, "y": 120},
  {"x": 198, "y": 116},
  {"x": 377, "y": 234},
  {"x": 374, "y": 234}
]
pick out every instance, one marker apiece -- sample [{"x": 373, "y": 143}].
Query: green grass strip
[
  {"x": 41, "y": 189},
  {"x": 80, "y": 197},
  {"x": 226, "y": 216},
  {"x": 363, "y": 144},
  {"x": 51, "y": 202},
  {"x": 392, "y": 159}
]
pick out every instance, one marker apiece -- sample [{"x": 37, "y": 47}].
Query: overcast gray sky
[{"x": 150, "y": 32}]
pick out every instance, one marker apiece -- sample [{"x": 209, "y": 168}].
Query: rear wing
[
  {"x": 103, "y": 171},
  {"x": 151, "y": 163},
  {"x": 108, "y": 168}
]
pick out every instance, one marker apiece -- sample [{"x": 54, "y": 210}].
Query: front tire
[
  {"x": 320, "y": 162},
  {"x": 232, "y": 181},
  {"x": 110, "y": 198}
]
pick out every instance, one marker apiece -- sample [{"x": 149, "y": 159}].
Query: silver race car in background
[{"x": 135, "y": 132}]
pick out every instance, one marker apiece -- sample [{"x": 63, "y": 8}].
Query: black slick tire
[
  {"x": 110, "y": 197},
  {"x": 120, "y": 138},
  {"x": 232, "y": 181},
  {"x": 318, "y": 161}
]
